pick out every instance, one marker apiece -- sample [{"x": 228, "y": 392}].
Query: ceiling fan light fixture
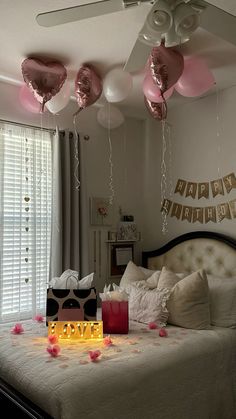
[
  {"x": 160, "y": 19},
  {"x": 149, "y": 36},
  {"x": 186, "y": 20},
  {"x": 172, "y": 39}
]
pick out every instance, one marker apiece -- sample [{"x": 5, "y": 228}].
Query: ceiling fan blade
[
  {"x": 219, "y": 22},
  {"x": 138, "y": 56},
  {"x": 72, "y": 14}
]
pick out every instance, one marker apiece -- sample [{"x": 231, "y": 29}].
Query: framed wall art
[{"x": 100, "y": 211}]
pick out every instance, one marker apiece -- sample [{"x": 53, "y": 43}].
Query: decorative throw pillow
[
  {"x": 146, "y": 271},
  {"x": 139, "y": 275},
  {"x": 132, "y": 273},
  {"x": 222, "y": 292},
  {"x": 147, "y": 306},
  {"x": 168, "y": 278},
  {"x": 188, "y": 304}
]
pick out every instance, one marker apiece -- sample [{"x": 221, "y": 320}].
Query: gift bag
[
  {"x": 115, "y": 317},
  {"x": 59, "y": 299}
]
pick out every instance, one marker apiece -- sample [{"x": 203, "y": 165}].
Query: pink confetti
[
  {"x": 136, "y": 351},
  {"x": 163, "y": 333},
  {"x": 39, "y": 318},
  {"x": 53, "y": 350},
  {"x": 17, "y": 329},
  {"x": 94, "y": 355},
  {"x": 152, "y": 325},
  {"x": 52, "y": 339},
  {"x": 107, "y": 341}
]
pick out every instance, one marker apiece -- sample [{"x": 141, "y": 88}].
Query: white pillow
[
  {"x": 222, "y": 293},
  {"x": 134, "y": 273},
  {"x": 147, "y": 272},
  {"x": 167, "y": 278},
  {"x": 147, "y": 306}
]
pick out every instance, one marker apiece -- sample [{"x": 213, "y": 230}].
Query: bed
[{"x": 188, "y": 374}]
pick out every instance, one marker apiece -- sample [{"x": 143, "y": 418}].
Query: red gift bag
[{"x": 115, "y": 317}]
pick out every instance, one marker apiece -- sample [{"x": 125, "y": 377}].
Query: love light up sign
[{"x": 76, "y": 330}]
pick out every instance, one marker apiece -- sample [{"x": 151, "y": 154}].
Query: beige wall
[
  {"x": 198, "y": 155},
  {"x": 127, "y": 143}
]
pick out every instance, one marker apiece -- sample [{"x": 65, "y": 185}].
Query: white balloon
[
  {"x": 117, "y": 85},
  {"x": 110, "y": 116},
  {"x": 60, "y": 100}
]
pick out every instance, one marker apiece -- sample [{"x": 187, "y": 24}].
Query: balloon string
[
  {"x": 218, "y": 131},
  {"x": 76, "y": 113},
  {"x": 164, "y": 105},
  {"x": 218, "y": 142},
  {"x": 76, "y": 155},
  {"x": 111, "y": 186},
  {"x": 42, "y": 170},
  {"x": 170, "y": 160},
  {"x": 163, "y": 178}
]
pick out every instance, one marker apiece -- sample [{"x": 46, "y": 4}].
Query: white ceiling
[{"x": 104, "y": 41}]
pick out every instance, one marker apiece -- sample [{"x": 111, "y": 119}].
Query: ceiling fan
[{"x": 168, "y": 21}]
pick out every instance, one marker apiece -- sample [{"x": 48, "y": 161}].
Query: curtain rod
[{"x": 27, "y": 126}]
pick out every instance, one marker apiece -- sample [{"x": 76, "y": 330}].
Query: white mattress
[{"x": 188, "y": 375}]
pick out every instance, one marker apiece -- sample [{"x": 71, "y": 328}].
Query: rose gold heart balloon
[
  {"x": 166, "y": 66},
  {"x": 44, "y": 79},
  {"x": 88, "y": 86},
  {"x": 157, "y": 110}
]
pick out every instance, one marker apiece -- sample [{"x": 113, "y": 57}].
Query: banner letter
[
  {"x": 217, "y": 187},
  {"x": 166, "y": 206},
  {"x": 187, "y": 214},
  {"x": 229, "y": 182},
  {"x": 203, "y": 190},
  {"x": 197, "y": 215},
  {"x": 210, "y": 214},
  {"x": 180, "y": 186},
  {"x": 176, "y": 210}
]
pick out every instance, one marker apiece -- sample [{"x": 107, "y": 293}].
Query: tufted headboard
[{"x": 214, "y": 252}]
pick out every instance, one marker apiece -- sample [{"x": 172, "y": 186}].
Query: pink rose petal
[
  {"x": 152, "y": 325},
  {"x": 39, "y": 318},
  {"x": 53, "y": 350},
  {"x": 163, "y": 333},
  {"x": 107, "y": 341},
  {"x": 17, "y": 329},
  {"x": 52, "y": 339},
  {"x": 94, "y": 355}
]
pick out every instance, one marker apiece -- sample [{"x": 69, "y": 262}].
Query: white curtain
[{"x": 25, "y": 220}]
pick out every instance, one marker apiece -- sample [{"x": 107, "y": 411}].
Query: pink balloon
[
  {"x": 88, "y": 86},
  {"x": 196, "y": 78},
  {"x": 166, "y": 66},
  {"x": 44, "y": 79},
  {"x": 28, "y": 100},
  {"x": 157, "y": 110},
  {"x": 153, "y": 92}
]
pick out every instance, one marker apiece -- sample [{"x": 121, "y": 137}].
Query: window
[{"x": 25, "y": 220}]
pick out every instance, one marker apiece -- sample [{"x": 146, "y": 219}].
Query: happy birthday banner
[
  {"x": 202, "y": 190},
  {"x": 215, "y": 214}
]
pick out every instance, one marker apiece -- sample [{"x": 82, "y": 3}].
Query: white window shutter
[{"x": 25, "y": 220}]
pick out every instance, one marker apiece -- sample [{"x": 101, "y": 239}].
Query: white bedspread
[{"x": 187, "y": 375}]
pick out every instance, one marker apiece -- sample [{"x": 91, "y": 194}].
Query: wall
[
  {"x": 127, "y": 149},
  {"x": 203, "y": 149}
]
